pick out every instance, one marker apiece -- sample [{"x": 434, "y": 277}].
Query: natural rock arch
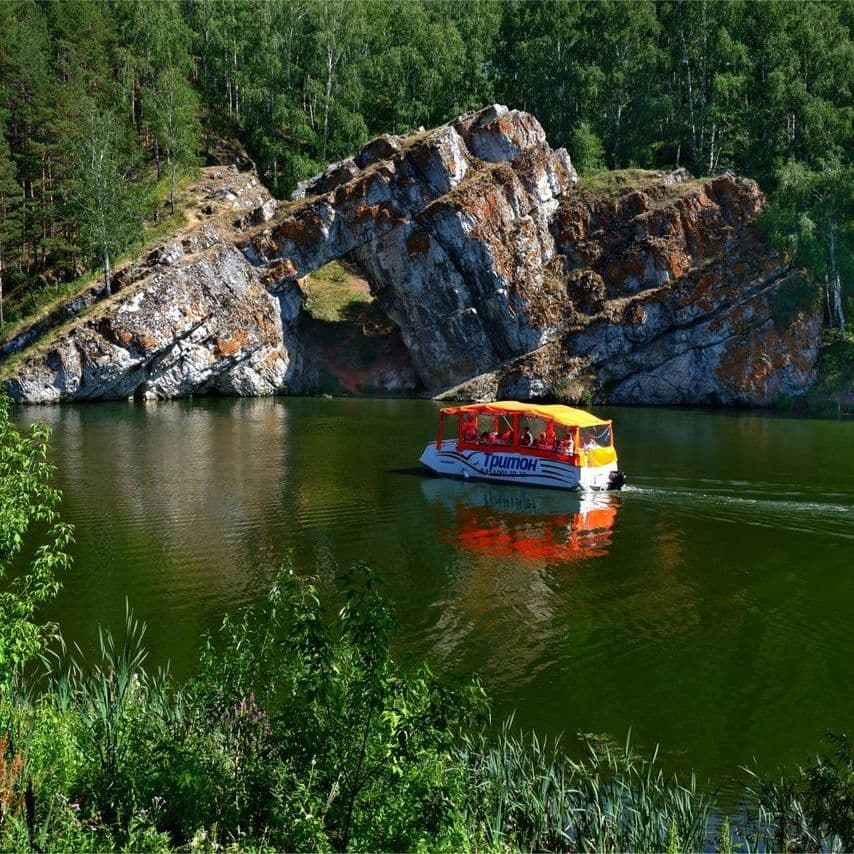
[{"x": 505, "y": 276}]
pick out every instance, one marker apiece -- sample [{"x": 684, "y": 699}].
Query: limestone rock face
[
  {"x": 505, "y": 276},
  {"x": 671, "y": 298},
  {"x": 192, "y": 317},
  {"x": 452, "y": 229}
]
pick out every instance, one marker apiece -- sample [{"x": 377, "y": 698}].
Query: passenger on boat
[
  {"x": 484, "y": 437},
  {"x": 507, "y": 436},
  {"x": 526, "y": 438},
  {"x": 470, "y": 430},
  {"x": 567, "y": 446}
]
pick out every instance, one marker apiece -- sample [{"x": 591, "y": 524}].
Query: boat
[{"x": 525, "y": 443}]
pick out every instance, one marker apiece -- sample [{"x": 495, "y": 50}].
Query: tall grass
[{"x": 534, "y": 797}]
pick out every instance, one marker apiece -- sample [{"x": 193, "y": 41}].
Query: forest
[{"x": 104, "y": 106}]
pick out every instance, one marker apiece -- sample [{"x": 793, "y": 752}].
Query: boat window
[
  {"x": 496, "y": 429},
  {"x": 544, "y": 433},
  {"x": 468, "y": 427},
  {"x": 595, "y": 437},
  {"x": 486, "y": 428},
  {"x": 447, "y": 428}
]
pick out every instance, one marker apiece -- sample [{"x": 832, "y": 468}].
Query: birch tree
[
  {"x": 106, "y": 204},
  {"x": 812, "y": 213},
  {"x": 176, "y": 125}
]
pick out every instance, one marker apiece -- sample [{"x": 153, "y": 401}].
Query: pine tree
[{"x": 11, "y": 197}]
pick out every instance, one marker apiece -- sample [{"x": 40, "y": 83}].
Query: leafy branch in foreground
[{"x": 28, "y": 506}]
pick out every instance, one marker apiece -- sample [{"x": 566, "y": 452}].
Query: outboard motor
[{"x": 616, "y": 479}]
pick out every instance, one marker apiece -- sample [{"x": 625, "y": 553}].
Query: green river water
[{"x": 708, "y": 606}]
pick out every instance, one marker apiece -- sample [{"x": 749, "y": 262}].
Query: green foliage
[
  {"x": 793, "y": 298},
  {"x": 812, "y": 810},
  {"x": 725, "y": 837},
  {"x": 836, "y": 361},
  {"x": 11, "y": 198},
  {"x": 588, "y": 153},
  {"x": 297, "y": 733},
  {"x": 28, "y": 511},
  {"x": 711, "y": 86},
  {"x": 175, "y": 109},
  {"x": 812, "y": 215},
  {"x": 105, "y": 200},
  {"x": 706, "y": 85},
  {"x": 361, "y": 745},
  {"x": 530, "y": 795}
]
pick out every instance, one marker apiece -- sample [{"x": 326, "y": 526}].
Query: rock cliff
[
  {"x": 191, "y": 317},
  {"x": 504, "y": 275}
]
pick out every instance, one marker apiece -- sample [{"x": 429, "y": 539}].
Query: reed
[{"x": 531, "y": 795}]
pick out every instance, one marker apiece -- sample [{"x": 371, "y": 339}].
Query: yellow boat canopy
[{"x": 563, "y": 415}]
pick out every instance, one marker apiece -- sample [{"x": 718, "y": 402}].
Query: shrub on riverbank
[{"x": 296, "y": 734}]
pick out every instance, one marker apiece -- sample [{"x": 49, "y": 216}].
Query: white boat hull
[{"x": 508, "y": 466}]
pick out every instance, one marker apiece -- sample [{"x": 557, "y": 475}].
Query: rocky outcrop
[
  {"x": 451, "y": 228},
  {"x": 191, "y": 317},
  {"x": 671, "y": 297},
  {"x": 504, "y": 275}
]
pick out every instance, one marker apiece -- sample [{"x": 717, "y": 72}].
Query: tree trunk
[
  {"x": 835, "y": 296},
  {"x": 107, "y": 273},
  {"x": 837, "y": 299},
  {"x": 330, "y": 71}
]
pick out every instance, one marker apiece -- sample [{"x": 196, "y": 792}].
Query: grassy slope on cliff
[
  {"x": 355, "y": 345},
  {"x": 32, "y": 306}
]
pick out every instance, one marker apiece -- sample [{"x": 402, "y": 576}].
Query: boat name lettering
[{"x": 509, "y": 462}]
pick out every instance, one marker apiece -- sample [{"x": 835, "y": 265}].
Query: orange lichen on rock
[
  {"x": 228, "y": 347},
  {"x": 303, "y": 229},
  {"x": 146, "y": 342}
]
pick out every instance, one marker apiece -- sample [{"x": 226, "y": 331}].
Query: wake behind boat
[{"x": 511, "y": 442}]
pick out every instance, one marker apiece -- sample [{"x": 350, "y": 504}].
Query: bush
[
  {"x": 28, "y": 507},
  {"x": 811, "y": 810},
  {"x": 297, "y": 733},
  {"x": 588, "y": 153}
]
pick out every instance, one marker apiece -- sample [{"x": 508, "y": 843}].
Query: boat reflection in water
[{"x": 529, "y": 525}]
